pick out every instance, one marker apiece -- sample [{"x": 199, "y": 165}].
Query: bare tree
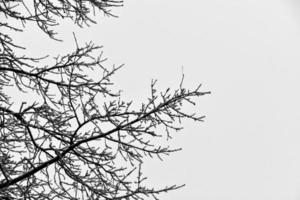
[{"x": 67, "y": 145}]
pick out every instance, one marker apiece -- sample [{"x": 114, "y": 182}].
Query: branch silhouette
[{"x": 77, "y": 138}]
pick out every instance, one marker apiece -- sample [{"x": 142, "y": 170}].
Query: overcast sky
[{"x": 247, "y": 53}]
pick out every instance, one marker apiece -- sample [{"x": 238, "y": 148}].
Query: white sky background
[{"x": 246, "y": 53}]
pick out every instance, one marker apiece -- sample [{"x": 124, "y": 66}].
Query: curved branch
[{"x": 116, "y": 129}]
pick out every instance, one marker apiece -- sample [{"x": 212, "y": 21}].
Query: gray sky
[{"x": 246, "y": 53}]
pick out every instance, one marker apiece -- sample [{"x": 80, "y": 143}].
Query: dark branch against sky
[{"x": 59, "y": 147}]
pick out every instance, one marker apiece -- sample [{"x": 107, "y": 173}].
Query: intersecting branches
[
  {"x": 71, "y": 146},
  {"x": 46, "y": 13},
  {"x": 78, "y": 139}
]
